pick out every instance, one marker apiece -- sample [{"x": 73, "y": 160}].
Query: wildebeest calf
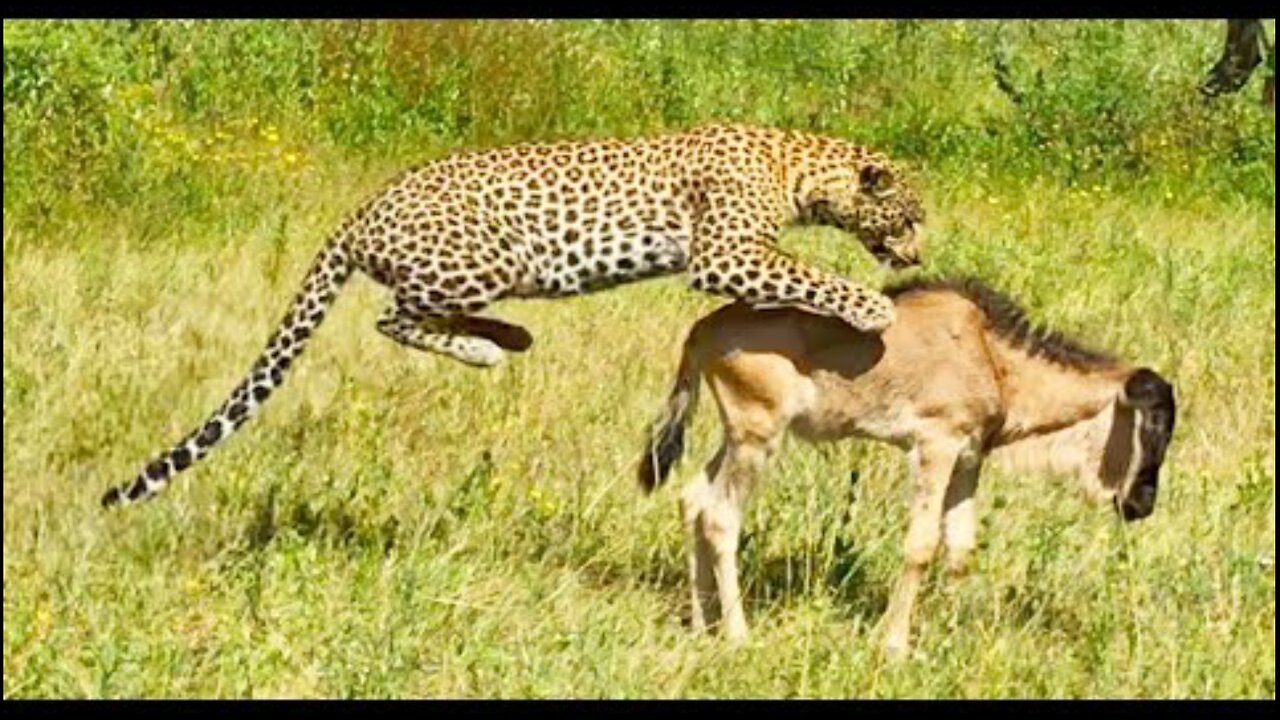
[{"x": 960, "y": 374}]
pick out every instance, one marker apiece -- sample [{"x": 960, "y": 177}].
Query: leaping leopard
[{"x": 558, "y": 219}]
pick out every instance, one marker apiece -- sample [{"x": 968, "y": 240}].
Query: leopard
[{"x": 454, "y": 235}]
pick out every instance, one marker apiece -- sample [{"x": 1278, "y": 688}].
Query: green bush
[{"x": 102, "y": 114}]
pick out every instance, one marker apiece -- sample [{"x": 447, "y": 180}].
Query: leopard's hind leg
[{"x": 450, "y": 329}]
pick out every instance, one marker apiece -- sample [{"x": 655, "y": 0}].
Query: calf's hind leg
[
  {"x": 701, "y": 555},
  {"x": 959, "y": 522},
  {"x": 720, "y": 525}
]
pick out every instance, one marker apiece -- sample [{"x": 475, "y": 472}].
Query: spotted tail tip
[
  {"x": 122, "y": 495},
  {"x": 112, "y": 498}
]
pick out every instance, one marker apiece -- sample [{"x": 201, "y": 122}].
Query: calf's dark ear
[{"x": 1145, "y": 389}]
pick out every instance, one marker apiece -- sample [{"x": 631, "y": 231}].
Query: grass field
[{"x": 396, "y": 524}]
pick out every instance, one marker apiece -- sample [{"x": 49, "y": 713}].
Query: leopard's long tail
[{"x": 329, "y": 271}]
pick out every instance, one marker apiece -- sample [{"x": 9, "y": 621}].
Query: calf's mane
[{"x": 1009, "y": 321}]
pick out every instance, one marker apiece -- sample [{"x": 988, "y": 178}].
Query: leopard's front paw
[{"x": 871, "y": 312}]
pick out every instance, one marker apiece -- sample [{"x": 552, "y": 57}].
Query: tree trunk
[
  {"x": 1240, "y": 56},
  {"x": 1269, "y": 87}
]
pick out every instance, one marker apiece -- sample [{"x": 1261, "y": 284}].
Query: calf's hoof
[
  {"x": 896, "y": 646},
  {"x": 735, "y": 636}
]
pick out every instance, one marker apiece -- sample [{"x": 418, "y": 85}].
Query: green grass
[{"x": 396, "y": 524}]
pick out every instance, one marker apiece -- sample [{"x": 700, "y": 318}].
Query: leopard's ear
[{"x": 876, "y": 181}]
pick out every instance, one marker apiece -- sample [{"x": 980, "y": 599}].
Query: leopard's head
[{"x": 879, "y": 205}]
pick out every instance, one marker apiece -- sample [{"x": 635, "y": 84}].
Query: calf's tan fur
[{"x": 961, "y": 374}]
